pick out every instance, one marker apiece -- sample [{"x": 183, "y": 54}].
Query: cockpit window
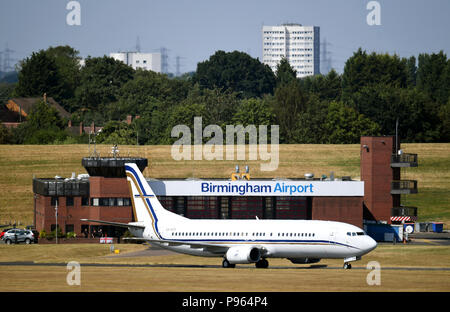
[{"x": 360, "y": 233}]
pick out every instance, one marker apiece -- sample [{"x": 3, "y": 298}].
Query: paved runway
[{"x": 311, "y": 267}]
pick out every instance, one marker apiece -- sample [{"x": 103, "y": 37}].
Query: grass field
[
  {"x": 244, "y": 278},
  {"x": 19, "y": 163}
]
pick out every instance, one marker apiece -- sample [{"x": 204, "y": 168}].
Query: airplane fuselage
[{"x": 278, "y": 238}]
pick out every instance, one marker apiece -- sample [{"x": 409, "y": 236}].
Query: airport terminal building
[{"x": 103, "y": 194}]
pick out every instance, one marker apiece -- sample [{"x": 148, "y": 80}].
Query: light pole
[{"x": 56, "y": 216}]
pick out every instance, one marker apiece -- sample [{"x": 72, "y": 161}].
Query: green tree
[
  {"x": 38, "y": 75},
  {"x": 43, "y": 126},
  {"x": 255, "y": 112},
  {"x": 344, "y": 125},
  {"x": 236, "y": 71},
  {"x": 328, "y": 87},
  {"x": 415, "y": 110},
  {"x": 67, "y": 61},
  {"x": 6, "y": 90},
  {"x": 146, "y": 92},
  {"x": 152, "y": 128},
  {"x": 117, "y": 132},
  {"x": 101, "y": 81},
  {"x": 288, "y": 102},
  {"x": 285, "y": 73},
  {"x": 5, "y": 135},
  {"x": 309, "y": 127},
  {"x": 184, "y": 114},
  {"x": 365, "y": 70},
  {"x": 433, "y": 76},
  {"x": 411, "y": 72},
  {"x": 444, "y": 115}
]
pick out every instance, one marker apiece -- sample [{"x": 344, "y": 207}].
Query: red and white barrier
[{"x": 400, "y": 219}]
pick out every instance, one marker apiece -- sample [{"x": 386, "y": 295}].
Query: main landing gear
[
  {"x": 262, "y": 264},
  {"x": 226, "y": 264},
  {"x": 347, "y": 266}
]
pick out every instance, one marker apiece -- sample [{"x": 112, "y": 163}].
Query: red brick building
[
  {"x": 104, "y": 194},
  {"x": 381, "y": 163}
]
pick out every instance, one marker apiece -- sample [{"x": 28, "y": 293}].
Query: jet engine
[
  {"x": 243, "y": 254},
  {"x": 304, "y": 260}
]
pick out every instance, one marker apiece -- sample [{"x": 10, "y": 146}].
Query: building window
[
  {"x": 111, "y": 201},
  {"x": 69, "y": 201},
  {"x": 202, "y": 207},
  {"x": 291, "y": 207},
  {"x": 247, "y": 207},
  {"x": 69, "y": 228},
  {"x": 84, "y": 201},
  {"x": 54, "y": 201}
]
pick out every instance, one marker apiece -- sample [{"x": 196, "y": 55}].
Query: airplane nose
[{"x": 371, "y": 244}]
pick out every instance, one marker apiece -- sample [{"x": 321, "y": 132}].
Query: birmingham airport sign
[{"x": 256, "y": 188}]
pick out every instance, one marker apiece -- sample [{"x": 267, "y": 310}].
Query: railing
[
  {"x": 404, "y": 160},
  {"x": 404, "y": 211},
  {"x": 404, "y": 187}
]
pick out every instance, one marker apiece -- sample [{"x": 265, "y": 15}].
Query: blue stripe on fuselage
[{"x": 128, "y": 168}]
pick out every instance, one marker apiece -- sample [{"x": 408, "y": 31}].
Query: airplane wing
[
  {"x": 205, "y": 246},
  {"x": 127, "y": 225}
]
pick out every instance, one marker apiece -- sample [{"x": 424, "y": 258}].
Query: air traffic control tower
[{"x": 102, "y": 194}]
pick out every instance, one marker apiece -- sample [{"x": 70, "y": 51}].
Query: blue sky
[{"x": 195, "y": 29}]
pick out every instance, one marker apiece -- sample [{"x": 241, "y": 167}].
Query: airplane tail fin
[{"x": 146, "y": 207}]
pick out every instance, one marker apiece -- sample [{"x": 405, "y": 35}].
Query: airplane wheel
[
  {"x": 347, "y": 266},
  {"x": 226, "y": 264},
  {"x": 263, "y": 264}
]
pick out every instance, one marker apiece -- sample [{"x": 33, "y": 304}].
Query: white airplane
[{"x": 240, "y": 241}]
